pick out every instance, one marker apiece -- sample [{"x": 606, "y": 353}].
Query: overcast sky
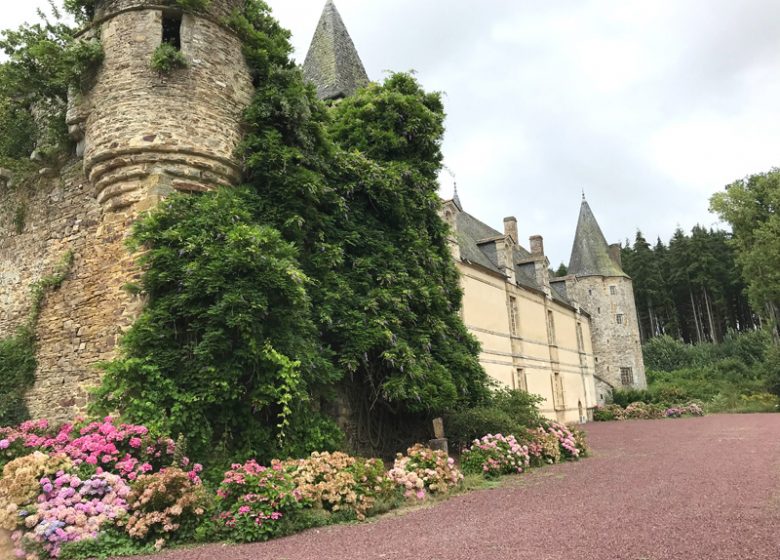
[{"x": 650, "y": 107}]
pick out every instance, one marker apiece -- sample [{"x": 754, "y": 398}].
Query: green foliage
[
  {"x": 43, "y": 61},
  {"x": 111, "y": 542},
  {"x": 17, "y": 352},
  {"x": 82, "y": 10},
  {"x": 505, "y": 411},
  {"x": 167, "y": 58},
  {"x": 20, "y": 215},
  {"x": 690, "y": 288},
  {"x": 750, "y": 206},
  {"x": 17, "y": 375},
  {"x": 332, "y": 260},
  {"x": 212, "y": 354},
  {"x": 727, "y": 375}
]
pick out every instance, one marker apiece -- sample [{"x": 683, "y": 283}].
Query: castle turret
[
  {"x": 600, "y": 286},
  {"x": 333, "y": 63},
  {"x": 144, "y": 132}
]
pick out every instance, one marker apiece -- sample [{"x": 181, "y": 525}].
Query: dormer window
[{"x": 171, "y": 29}]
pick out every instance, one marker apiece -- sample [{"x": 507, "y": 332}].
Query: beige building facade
[{"x": 532, "y": 338}]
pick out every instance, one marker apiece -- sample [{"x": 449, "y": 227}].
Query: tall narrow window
[
  {"x": 613, "y": 290},
  {"x": 522, "y": 382},
  {"x": 514, "y": 319},
  {"x": 619, "y": 318},
  {"x": 626, "y": 376},
  {"x": 580, "y": 338},
  {"x": 171, "y": 29},
  {"x": 558, "y": 395},
  {"x": 550, "y": 327}
]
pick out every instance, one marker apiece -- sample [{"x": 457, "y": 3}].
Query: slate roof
[
  {"x": 477, "y": 243},
  {"x": 333, "y": 63},
  {"x": 590, "y": 252}
]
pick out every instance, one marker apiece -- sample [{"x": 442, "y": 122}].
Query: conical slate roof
[
  {"x": 333, "y": 64},
  {"x": 590, "y": 252}
]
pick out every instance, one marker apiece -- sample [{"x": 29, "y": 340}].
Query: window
[
  {"x": 558, "y": 391},
  {"x": 550, "y": 327},
  {"x": 613, "y": 290},
  {"x": 171, "y": 29},
  {"x": 590, "y": 292},
  {"x": 619, "y": 318},
  {"x": 626, "y": 376},
  {"x": 514, "y": 322},
  {"x": 580, "y": 338},
  {"x": 598, "y": 310},
  {"x": 522, "y": 382}
]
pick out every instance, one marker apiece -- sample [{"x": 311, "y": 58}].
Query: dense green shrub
[
  {"x": 727, "y": 375},
  {"x": 224, "y": 351},
  {"x": 505, "y": 411}
]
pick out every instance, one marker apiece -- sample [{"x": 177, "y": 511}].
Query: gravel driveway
[{"x": 700, "y": 488}]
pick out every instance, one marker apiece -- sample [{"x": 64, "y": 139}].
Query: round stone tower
[{"x": 145, "y": 133}]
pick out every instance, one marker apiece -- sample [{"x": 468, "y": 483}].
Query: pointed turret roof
[
  {"x": 333, "y": 64},
  {"x": 590, "y": 252}
]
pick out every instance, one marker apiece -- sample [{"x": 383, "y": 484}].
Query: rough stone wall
[
  {"x": 80, "y": 323},
  {"x": 182, "y": 127},
  {"x": 142, "y": 135},
  {"x": 614, "y": 345}
]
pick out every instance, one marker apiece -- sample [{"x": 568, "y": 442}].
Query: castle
[{"x": 142, "y": 135}]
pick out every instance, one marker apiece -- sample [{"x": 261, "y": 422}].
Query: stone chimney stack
[
  {"x": 541, "y": 264},
  {"x": 537, "y": 245},
  {"x": 614, "y": 254},
  {"x": 510, "y": 228}
]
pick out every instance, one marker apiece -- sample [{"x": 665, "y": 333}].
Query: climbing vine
[{"x": 17, "y": 352}]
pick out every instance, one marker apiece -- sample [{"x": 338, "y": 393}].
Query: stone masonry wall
[
  {"x": 143, "y": 135},
  {"x": 81, "y": 322},
  {"x": 614, "y": 345}
]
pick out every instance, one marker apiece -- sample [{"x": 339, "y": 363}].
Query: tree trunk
[{"x": 695, "y": 317}]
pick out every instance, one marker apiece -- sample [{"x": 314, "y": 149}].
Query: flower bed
[
  {"x": 644, "y": 411},
  {"x": 89, "y": 489},
  {"x": 494, "y": 455}
]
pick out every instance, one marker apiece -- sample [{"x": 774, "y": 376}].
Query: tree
[{"x": 750, "y": 206}]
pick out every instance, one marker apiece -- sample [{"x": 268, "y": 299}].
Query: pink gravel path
[{"x": 701, "y": 488}]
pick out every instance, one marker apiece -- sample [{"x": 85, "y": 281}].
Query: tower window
[
  {"x": 626, "y": 376},
  {"x": 171, "y": 29},
  {"x": 619, "y": 318},
  {"x": 613, "y": 290}
]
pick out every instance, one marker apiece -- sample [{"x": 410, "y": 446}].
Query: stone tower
[
  {"x": 600, "y": 286},
  {"x": 144, "y": 133},
  {"x": 333, "y": 63}
]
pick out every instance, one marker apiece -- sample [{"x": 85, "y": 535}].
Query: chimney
[
  {"x": 537, "y": 245},
  {"x": 614, "y": 254},
  {"x": 510, "y": 228},
  {"x": 541, "y": 264}
]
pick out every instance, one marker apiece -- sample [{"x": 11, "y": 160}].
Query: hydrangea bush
[
  {"x": 253, "y": 498},
  {"x": 164, "y": 503},
  {"x": 70, "y": 509},
  {"x": 494, "y": 455},
  {"x": 423, "y": 471},
  {"x": 340, "y": 482},
  {"x": 691, "y": 409}
]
